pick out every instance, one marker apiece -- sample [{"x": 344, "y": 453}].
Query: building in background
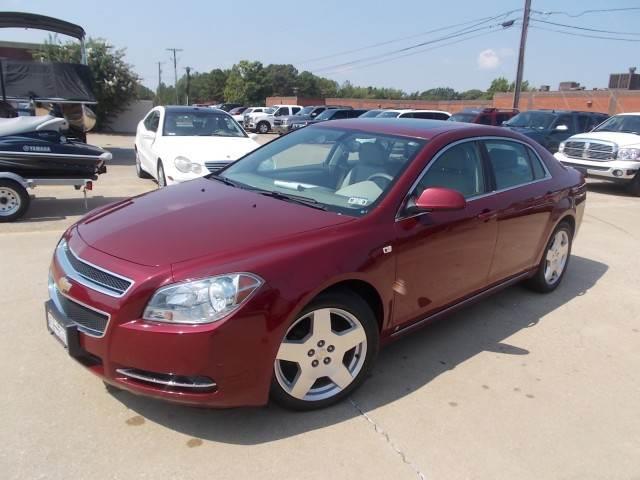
[{"x": 625, "y": 81}]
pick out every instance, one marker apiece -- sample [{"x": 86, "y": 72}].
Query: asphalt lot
[{"x": 521, "y": 385}]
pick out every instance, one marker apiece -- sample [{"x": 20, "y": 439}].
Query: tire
[
  {"x": 162, "y": 179},
  {"x": 634, "y": 185},
  {"x": 139, "y": 170},
  {"x": 14, "y": 200},
  {"x": 263, "y": 127},
  {"x": 551, "y": 271},
  {"x": 315, "y": 370}
]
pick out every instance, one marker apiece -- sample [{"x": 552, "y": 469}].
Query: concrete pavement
[{"x": 521, "y": 385}]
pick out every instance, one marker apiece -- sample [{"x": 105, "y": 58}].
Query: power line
[
  {"x": 411, "y": 47},
  {"x": 585, "y": 35},
  {"x": 587, "y": 29},
  {"x": 399, "y": 39},
  {"x": 585, "y": 12}
]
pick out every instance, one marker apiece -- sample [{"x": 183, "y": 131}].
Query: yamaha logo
[{"x": 36, "y": 148}]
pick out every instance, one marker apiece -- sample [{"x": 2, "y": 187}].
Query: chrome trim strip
[
  {"x": 463, "y": 303},
  {"x": 127, "y": 372},
  {"x": 51, "y": 154},
  {"x": 82, "y": 279},
  {"x": 475, "y": 197},
  {"x": 53, "y": 294}
]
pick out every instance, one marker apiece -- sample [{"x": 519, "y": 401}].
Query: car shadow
[
  {"x": 45, "y": 209},
  {"x": 121, "y": 156},
  {"x": 608, "y": 188},
  {"x": 403, "y": 367}
]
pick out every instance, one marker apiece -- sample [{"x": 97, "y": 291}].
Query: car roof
[
  {"x": 407, "y": 127},
  {"x": 625, "y": 114},
  {"x": 189, "y": 109},
  {"x": 549, "y": 110}
]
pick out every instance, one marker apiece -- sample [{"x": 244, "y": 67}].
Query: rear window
[{"x": 513, "y": 164}]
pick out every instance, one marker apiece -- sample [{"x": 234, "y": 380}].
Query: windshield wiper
[
  {"x": 309, "y": 202},
  {"x": 224, "y": 180}
]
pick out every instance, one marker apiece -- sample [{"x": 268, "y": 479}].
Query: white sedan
[{"x": 175, "y": 144}]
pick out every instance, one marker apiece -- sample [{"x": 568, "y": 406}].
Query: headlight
[
  {"x": 201, "y": 301},
  {"x": 185, "y": 165},
  {"x": 561, "y": 147},
  {"x": 629, "y": 154}
]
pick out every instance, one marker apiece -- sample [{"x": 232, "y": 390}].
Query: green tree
[
  {"x": 473, "y": 94},
  {"x": 246, "y": 83},
  {"x": 439, "y": 93},
  {"x": 308, "y": 85},
  {"x": 280, "y": 79},
  {"x": 144, "y": 93},
  {"x": 115, "y": 84}
]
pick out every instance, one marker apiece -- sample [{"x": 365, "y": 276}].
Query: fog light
[{"x": 618, "y": 173}]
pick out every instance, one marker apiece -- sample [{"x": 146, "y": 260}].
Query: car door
[
  {"x": 523, "y": 202},
  {"x": 445, "y": 256},
  {"x": 147, "y": 138},
  {"x": 556, "y": 136}
]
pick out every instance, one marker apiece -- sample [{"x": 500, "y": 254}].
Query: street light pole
[
  {"x": 523, "y": 43},
  {"x": 188, "y": 69}
]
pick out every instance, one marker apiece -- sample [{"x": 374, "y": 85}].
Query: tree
[
  {"x": 473, "y": 94},
  {"x": 280, "y": 79},
  {"x": 440, "y": 93},
  {"x": 144, "y": 93},
  {"x": 308, "y": 85},
  {"x": 165, "y": 95},
  {"x": 115, "y": 84},
  {"x": 246, "y": 83},
  {"x": 501, "y": 84},
  {"x": 205, "y": 87}
]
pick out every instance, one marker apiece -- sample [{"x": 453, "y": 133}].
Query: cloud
[{"x": 489, "y": 59}]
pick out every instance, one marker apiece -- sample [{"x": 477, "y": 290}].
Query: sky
[{"x": 314, "y": 36}]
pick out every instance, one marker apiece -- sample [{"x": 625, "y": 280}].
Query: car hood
[
  {"x": 619, "y": 138},
  {"x": 202, "y": 149},
  {"x": 198, "y": 218}
]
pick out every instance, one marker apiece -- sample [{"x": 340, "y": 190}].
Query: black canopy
[
  {"x": 47, "y": 81},
  {"x": 41, "y": 22}
]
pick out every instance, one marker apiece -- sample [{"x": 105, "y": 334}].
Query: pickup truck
[
  {"x": 263, "y": 122},
  {"x": 611, "y": 151},
  {"x": 283, "y": 124}
]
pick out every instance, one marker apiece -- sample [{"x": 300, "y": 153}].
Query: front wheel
[
  {"x": 326, "y": 353},
  {"x": 14, "y": 200},
  {"x": 263, "y": 127},
  {"x": 554, "y": 260},
  {"x": 139, "y": 170}
]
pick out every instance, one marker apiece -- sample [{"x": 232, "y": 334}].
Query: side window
[
  {"x": 295, "y": 110},
  {"x": 152, "y": 121},
  {"x": 538, "y": 170},
  {"x": 502, "y": 117},
  {"x": 407, "y": 115},
  {"x": 564, "y": 120},
  {"x": 341, "y": 114},
  {"x": 485, "y": 119},
  {"x": 511, "y": 163},
  {"x": 281, "y": 111},
  {"x": 458, "y": 168},
  {"x": 584, "y": 123}
]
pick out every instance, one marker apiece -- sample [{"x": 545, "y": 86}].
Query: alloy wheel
[
  {"x": 556, "y": 258},
  {"x": 9, "y": 201},
  {"x": 321, "y": 354}
]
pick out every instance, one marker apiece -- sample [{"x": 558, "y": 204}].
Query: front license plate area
[
  {"x": 58, "y": 330},
  {"x": 65, "y": 331}
]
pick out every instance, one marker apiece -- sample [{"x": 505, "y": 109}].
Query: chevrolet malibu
[{"x": 282, "y": 275}]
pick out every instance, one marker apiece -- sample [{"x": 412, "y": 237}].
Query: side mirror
[
  {"x": 504, "y": 123},
  {"x": 561, "y": 128},
  {"x": 439, "y": 199},
  {"x": 314, "y": 114}
]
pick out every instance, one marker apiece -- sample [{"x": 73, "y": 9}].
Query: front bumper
[
  {"x": 229, "y": 362},
  {"x": 610, "y": 170},
  {"x": 281, "y": 129}
]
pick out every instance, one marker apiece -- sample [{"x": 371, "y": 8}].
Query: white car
[
  {"x": 611, "y": 151},
  {"x": 175, "y": 144},
  {"x": 263, "y": 122},
  {"x": 413, "y": 113}
]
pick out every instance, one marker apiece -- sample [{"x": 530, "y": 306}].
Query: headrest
[
  {"x": 503, "y": 159},
  {"x": 371, "y": 154}
]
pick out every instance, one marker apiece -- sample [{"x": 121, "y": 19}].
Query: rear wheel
[
  {"x": 326, "y": 353},
  {"x": 263, "y": 127},
  {"x": 162, "y": 179},
  {"x": 634, "y": 185},
  {"x": 14, "y": 200},
  {"x": 554, "y": 260}
]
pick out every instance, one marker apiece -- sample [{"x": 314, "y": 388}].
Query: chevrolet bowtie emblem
[{"x": 63, "y": 284}]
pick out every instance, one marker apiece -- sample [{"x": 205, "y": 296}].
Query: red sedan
[{"x": 283, "y": 275}]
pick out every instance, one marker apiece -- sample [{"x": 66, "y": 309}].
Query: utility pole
[
  {"x": 523, "y": 43},
  {"x": 188, "y": 69},
  {"x": 159, "y": 76},
  {"x": 175, "y": 70}
]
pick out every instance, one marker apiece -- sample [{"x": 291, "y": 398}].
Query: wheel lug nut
[
  {"x": 321, "y": 343},
  {"x": 330, "y": 348},
  {"x": 311, "y": 352},
  {"x": 327, "y": 361},
  {"x": 314, "y": 363}
]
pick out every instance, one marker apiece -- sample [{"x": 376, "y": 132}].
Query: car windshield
[
  {"x": 305, "y": 111},
  {"x": 201, "y": 123},
  {"x": 269, "y": 110},
  {"x": 535, "y": 120},
  {"x": 371, "y": 114},
  {"x": 326, "y": 115},
  {"x": 620, "y": 123},
  {"x": 389, "y": 114},
  {"x": 463, "y": 117},
  {"x": 340, "y": 170}
]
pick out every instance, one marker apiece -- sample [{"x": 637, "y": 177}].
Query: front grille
[
  {"x": 88, "y": 321},
  {"x": 590, "y": 150},
  {"x": 106, "y": 280},
  {"x": 277, "y": 122},
  {"x": 213, "y": 167}
]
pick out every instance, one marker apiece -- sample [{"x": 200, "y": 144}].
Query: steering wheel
[{"x": 381, "y": 176}]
